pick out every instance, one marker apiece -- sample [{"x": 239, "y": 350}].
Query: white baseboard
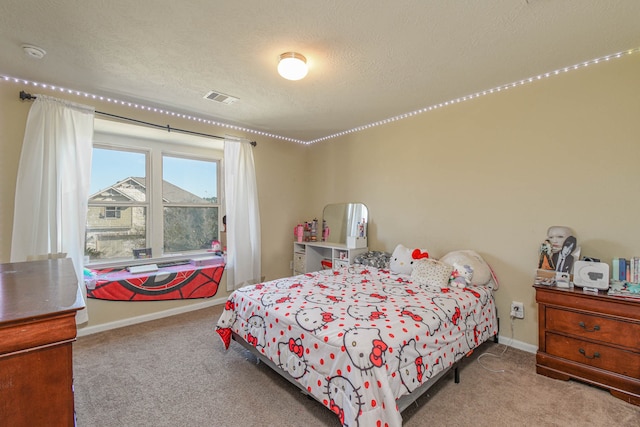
[
  {"x": 147, "y": 317},
  {"x": 520, "y": 345}
]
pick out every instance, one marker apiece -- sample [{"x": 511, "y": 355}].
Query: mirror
[{"x": 342, "y": 220}]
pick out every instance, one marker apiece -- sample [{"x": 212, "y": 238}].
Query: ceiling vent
[{"x": 221, "y": 97}]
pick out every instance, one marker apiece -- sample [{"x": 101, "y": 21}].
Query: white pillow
[
  {"x": 481, "y": 270},
  {"x": 403, "y": 258}
]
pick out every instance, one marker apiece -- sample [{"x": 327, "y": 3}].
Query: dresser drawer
[
  {"x": 600, "y": 356},
  {"x": 298, "y": 262},
  {"x": 593, "y": 327}
]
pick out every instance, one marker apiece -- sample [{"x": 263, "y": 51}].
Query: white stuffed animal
[{"x": 403, "y": 258}]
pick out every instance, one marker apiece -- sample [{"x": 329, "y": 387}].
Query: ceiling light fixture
[
  {"x": 33, "y": 51},
  {"x": 292, "y": 66}
]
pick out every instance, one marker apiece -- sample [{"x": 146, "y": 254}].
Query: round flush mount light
[
  {"x": 292, "y": 66},
  {"x": 33, "y": 51}
]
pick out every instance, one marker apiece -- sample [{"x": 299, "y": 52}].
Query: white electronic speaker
[{"x": 589, "y": 274}]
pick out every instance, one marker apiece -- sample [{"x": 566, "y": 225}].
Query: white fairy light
[{"x": 342, "y": 133}]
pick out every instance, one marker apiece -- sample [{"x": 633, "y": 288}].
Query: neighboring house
[{"x": 121, "y": 227}]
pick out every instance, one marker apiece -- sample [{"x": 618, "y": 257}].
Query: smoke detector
[
  {"x": 33, "y": 51},
  {"x": 221, "y": 97}
]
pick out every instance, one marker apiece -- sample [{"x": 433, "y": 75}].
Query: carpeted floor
[{"x": 175, "y": 372}]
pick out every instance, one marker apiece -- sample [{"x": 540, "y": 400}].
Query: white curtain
[
  {"x": 53, "y": 185},
  {"x": 243, "y": 215}
]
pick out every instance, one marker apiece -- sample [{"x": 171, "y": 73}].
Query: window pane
[
  {"x": 114, "y": 232},
  {"x": 118, "y": 176},
  {"x": 188, "y": 229},
  {"x": 189, "y": 180}
]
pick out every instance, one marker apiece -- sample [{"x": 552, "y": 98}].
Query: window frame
[{"x": 156, "y": 144}]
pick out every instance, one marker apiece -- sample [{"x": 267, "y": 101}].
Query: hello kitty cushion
[
  {"x": 431, "y": 273},
  {"x": 403, "y": 258},
  {"x": 482, "y": 273}
]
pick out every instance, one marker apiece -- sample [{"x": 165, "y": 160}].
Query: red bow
[
  {"x": 417, "y": 254},
  {"x": 375, "y": 357},
  {"x": 252, "y": 340},
  {"x": 281, "y": 300},
  {"x": 229, "y": 305},
  {"x": 415, "y": 317},
  {"x": 327, "y": 317},
  {"x": 337, "y": 410},
  {"x": 475, "y": 293},
  {"x": 419, "y": 368},
  {"x": 456, "y": 316},
  {"x": 375, "y": 315},
  {"x": 296, "y": 348},
  {"x": 333, "y": 298},
  {"x": 382, "y": 297}
]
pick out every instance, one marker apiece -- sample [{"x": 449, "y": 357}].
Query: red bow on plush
[
  {"x": 415, "y": 317},
  {"x": 229, "y": 305},
  {"x": 375, "y": 357},
  {"x": 337, "y": 410},
  {"x": 382, "y": 297},
  {"x": 417, "y": 254},
  {"x": 296, "y": 348},
  {"x": 419, "y": 368}
]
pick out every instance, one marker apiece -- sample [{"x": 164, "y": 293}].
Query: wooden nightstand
[{"x": 590, "y": 337}]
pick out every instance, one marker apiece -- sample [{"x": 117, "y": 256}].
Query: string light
[{"x": 403, "y": 116}]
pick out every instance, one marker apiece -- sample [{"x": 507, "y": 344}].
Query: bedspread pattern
[{"x": 359, "y": 337}]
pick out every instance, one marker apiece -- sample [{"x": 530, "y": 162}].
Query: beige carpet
[{"x": 175, "y": 372}]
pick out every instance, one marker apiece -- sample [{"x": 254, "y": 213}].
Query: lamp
[{"x": 292, "y": 66}]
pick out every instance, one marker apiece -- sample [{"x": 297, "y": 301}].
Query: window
[
  {"x": 190, "y": 202},
  {"x": 153, "y": 192}
]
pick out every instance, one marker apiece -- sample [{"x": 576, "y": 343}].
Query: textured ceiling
[{"x": 369, "y": 59}]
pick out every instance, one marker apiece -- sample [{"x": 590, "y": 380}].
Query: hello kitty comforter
[{"x": 358, "y": 338}]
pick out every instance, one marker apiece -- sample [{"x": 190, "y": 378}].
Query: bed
[{"x": 363, "y": 341}]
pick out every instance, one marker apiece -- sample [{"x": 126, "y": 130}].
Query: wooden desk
[{"x": 37, "y": 327}]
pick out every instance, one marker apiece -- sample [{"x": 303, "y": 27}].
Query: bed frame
[{"x": 403, "y": 402}]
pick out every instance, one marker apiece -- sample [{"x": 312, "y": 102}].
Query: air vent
[{"x": 221, "y": 97}]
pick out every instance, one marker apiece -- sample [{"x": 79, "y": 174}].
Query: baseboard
[
  {"x": 520, "y": 345},
  {"x": 147, "y": 317}
]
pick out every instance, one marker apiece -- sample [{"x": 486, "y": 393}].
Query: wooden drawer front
[
  {"x": 600, "y": 356},
  {"x": 594, "y": 327},
  {"x": 298, "y": 262}
]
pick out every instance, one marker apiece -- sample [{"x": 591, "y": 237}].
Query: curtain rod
[{"x": 28, "y": 97}]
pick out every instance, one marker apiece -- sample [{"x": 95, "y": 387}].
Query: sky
[{"x": 111, "y": 166}]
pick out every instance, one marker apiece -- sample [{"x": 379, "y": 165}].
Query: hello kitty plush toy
[{"x": 403, "y": 258}]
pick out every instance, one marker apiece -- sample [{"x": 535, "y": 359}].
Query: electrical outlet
[{"x": 517, "y": 310}]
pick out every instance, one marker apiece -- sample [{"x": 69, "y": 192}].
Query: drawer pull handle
[
  {"x": 583, "y": 326},
  {"x": 595, "y": 355}
]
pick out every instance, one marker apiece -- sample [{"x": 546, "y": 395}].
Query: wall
[
  {"x": 279, "y": 195},
  {"x": 492, "y": 174}
]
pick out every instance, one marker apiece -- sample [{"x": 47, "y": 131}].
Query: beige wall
[
  {"x": 492, "y": 174},
  {"x": 280, "y": 174}
]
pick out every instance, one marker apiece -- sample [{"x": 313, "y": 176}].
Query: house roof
[
  {"x": 369, "y": 60},
  {"x": 133, "y": 189}
]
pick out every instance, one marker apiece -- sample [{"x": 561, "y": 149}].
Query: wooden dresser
[
  {"x": 590, "y": 337},
  {"x": 37, "y": 327}
]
